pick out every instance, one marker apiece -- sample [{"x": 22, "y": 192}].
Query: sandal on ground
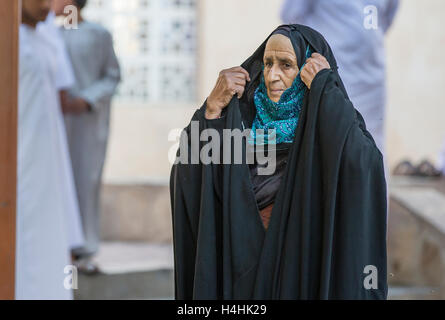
[
  {"x": 405, "y": 168},
  {"x": 87, "y": 266},
  {"x": 427, "y": 169}
]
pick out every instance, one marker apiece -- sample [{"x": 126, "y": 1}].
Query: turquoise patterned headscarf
[{"x": 281, "y": 116}]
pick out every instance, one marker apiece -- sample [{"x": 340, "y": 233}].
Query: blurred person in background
[
  {"x": 358, "y": 46},
  {"x": 442, "y": 160},
  {"x": 87, "y": 116},
  {"x": 44, "y": 190}
]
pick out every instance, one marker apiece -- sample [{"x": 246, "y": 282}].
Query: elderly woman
[{"x": 313, "y": 229}]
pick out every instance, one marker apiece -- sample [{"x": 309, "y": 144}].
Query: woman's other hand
[
  {"x": 313, "y": 65},
  {"x": 230, "y": 82}
]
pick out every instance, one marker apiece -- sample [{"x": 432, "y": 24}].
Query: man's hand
[
  {"x": 74, "y": 105},
  {"x": 313, "y": 65},
  {"x": 230, "y": 82}
]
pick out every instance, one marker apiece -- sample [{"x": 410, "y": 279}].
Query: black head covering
[
  {"x": 301, "y": 36},
  {"x": 298, "y": 42}
]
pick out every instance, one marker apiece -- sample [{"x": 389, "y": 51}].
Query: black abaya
[{"x": 329, "y": 217}]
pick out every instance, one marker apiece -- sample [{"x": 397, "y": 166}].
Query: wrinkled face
[
  {"x": 36, "y": 10},
  {"x": 280, "y": 66},
  {"x": 59, "y": 5}
]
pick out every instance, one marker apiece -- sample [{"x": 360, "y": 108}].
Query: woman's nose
[{"x": 274, "y": 74}]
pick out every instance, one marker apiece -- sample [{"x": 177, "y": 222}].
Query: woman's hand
[
  {"x": 230, "y": 82},
  {"x": 313, "y": 65}
]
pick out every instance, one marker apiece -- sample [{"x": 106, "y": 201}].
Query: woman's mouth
[{"x": 276, "y": 91}]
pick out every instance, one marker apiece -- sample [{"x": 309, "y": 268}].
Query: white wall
[
  {"x": 138, "y": 146},
  {"x": 230, "y": 31},
  {"x": 416, "y": 81}
]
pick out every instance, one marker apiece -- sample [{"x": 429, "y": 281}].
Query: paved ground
[
  {"x": 125, "y": 257},
  {"x": 413, "y": 293},
  {"x": 130, "y": 270}
]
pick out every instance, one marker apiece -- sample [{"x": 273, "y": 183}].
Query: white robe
[
  {"x": 64, "y": 81},
  {"x": 43, "y": 187},
  {"x": 359, "y": 51}
]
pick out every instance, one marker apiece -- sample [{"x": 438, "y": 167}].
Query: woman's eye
[{"x": 269, "y": 64}]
